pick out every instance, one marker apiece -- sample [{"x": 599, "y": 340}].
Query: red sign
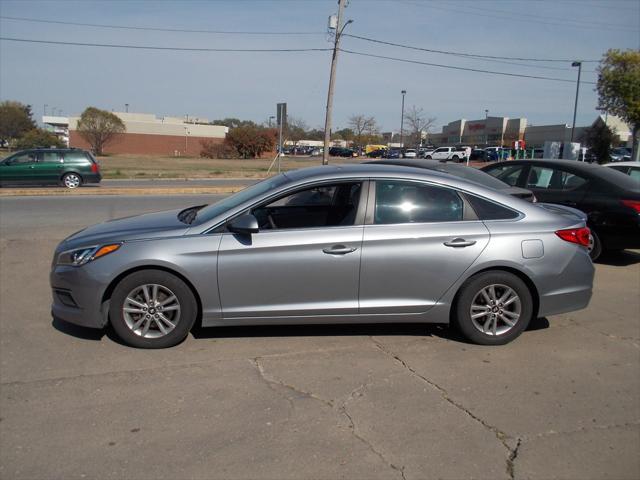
[{"x": 475, "y": 126}]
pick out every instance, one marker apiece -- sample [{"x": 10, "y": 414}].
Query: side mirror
[{"x": 244, "y": 225}]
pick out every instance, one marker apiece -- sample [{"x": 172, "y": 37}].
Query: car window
[
  {"x": 74, "y": 156},
  {"x": 556, "y": 179},
  {"x": 489, "y": 210},
  {"x": 49, "y": 157},
  {"x": 507, "y": 173},
  {"x": 635, "y": 174},
  {"x": 316, "y": 207},
  {"x": 540, "y": 177},
  {"x": 23, "y": 159},
  {"x": 408, "y": 202},
  {"x": 570, "y": 181}
]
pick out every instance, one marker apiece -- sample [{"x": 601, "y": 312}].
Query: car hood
[{"x": 149, "y": 225}]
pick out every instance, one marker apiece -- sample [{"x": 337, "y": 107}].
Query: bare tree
[
  {"x": 418, "y": 124},
  {"x": 363, "y": 128},
  {"x": 296, "y": 130}
]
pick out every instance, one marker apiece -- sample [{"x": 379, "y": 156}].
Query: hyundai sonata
[{"x": 332, "y": 244}]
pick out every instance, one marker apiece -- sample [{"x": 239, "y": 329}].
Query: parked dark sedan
[
  {"x": 377, "y": 153},
  {"x": 341, "y": 152},
  {"x": 468, "y": 173},
  {"x": 392, "y": 153},
  {"x": 610, "y": 199}
]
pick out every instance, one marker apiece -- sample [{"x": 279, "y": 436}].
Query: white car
[
  {"x": 457, "y": 154},
  {"x": 629, "y": 168},
  {"x": 410, "y": 153}
]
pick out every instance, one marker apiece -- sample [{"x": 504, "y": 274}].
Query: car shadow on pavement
[
  {"x": 78, "y": 331},
  {"x": 622, "y": 258}
]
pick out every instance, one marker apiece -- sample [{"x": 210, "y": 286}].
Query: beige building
[{"x": 488, "y": 131}]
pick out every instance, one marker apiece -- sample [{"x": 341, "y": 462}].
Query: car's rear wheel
[
  {"x": 71, "y": 180},
  {"x": 455, "y": 158},
  {"x": 428, "y": 157},
  {"x": 493, "y": 308},
  {"x": 152, "y": 309},
  {"x": 595, "y": 246}
]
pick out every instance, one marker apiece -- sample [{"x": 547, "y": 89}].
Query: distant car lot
[{"x": 352, "y": 401}]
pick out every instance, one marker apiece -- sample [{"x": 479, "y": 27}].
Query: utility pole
[
  {"x": 575, "y": 107},
  {"x": 332, "y": 78},
  {"x": 403, "y": 92}
]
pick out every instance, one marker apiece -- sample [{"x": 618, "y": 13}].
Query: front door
[
  {"x": 19, "y": 168},
  {"x": 304, "y": 261},
  {"x": 416, "y": 245}
]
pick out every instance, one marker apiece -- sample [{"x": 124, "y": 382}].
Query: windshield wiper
[{"x": 188, "y": 215}]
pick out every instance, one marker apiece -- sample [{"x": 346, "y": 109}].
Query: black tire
[
  {"x": 455, "y": 158},
  {"x": 596, "y": 250},
  {"x": 461, "y": 318},
  {"x": 71, "y": 180},
  {"x": 188, "y": 309},
  {"x": 428, "y": 157}
]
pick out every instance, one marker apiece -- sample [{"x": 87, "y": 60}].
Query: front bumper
[{"x": 77, "y": 296}]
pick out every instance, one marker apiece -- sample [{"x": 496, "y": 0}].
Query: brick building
[{"x": 147, "y": 134}]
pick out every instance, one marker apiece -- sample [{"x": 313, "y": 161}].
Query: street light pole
[
  {"x": 332, "y": 80},
  {"x": 575, "y": 107},
  {"x": 126, "y": 107},
  {"x": 486, "y": 132},
  {"x": 403, "y": 92},
  {"x": 270, "y": 120}
]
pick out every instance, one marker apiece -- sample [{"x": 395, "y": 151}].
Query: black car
[
  {"x": 610, "y": 199},
  {"x": 479, "y": 156},
  {"x": 377, "y": 153},
  {"x": 392, "y": 153},
  {"x": 468, "y": 173},
  {"x": 341, "y": 152}
]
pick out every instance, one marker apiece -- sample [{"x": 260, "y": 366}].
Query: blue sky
[{"x": 248, "y": 85}]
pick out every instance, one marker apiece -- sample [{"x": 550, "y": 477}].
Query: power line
[
  {"x": 467, "y": 69},
  {"x": 154, "y": 29},
  {"x": 462, "y": 54},
  {"x": 151, "y": 47}
]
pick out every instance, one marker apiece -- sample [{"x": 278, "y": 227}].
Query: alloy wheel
[
  {"x": 151, "y": 311},
  {"x": 71, "y": 180},
  {"x": 495, "y": 309}
]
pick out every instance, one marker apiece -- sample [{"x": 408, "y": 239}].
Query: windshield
[
  {"x": 239, "y": 198},
  {"x": 470, "y": 173}
]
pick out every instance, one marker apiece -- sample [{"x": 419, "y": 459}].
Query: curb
[{"x": 57, "y": 192}]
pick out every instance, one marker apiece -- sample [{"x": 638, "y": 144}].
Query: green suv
[{"x": 69, "y": 167}]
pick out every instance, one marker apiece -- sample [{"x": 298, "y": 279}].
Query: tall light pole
[
  {"x": 126, "y": 107},
  {"x": 332, "y": 79},
  {"x": 486, "y": 132},
  {"x": 575, "y": 107},
  {"x": 403, "y": 92},
  {"x": 271, "y": 118}
]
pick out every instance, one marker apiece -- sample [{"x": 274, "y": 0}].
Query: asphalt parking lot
[{"x": 390, "y": 401}]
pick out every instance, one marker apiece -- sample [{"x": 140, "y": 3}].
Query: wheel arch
[
  {"x": 535, "y": 295},
  {"x": 71, "y": 171},
  {"x": 106, "y": 296}
]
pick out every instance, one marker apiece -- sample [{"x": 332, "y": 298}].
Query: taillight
[
  {"x": 575, "y": 235},
  {"x": 94, "y": 167},
  {"x": 635, "y": 204}
]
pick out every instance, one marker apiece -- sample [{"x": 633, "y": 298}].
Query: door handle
[
  {"x": 338, "y": 250},
  {"x": 31, "y": 166},
  {"x": 460, "y": 242}
]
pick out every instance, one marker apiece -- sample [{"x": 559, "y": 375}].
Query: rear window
[
  {"x": 488, "y": 210},
  {"x": 75, "y": 157}
]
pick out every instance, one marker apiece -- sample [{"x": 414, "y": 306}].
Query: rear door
[
  {"x": 48, "y": 168},
  {"x": 417, "y": 243},
  {"x": 551, "y": 184}
]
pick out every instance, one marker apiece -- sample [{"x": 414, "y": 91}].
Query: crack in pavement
[
  {"x": 550, "y": 433},
  {"x": 341, "y": 409},
  {"x": 500, "y": 435}
]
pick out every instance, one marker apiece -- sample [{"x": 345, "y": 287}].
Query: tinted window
[
  {"x": 237, "y": 199},
  {"x": 316, "y": 207},
  {"x": 75, "y": 157},
  {"x": 507, "y": 173},
  {"x": 634, "y": 173},
  {"x": 405, "y": 202},
  {"x": 549, "y": 178},
  {"x": 22, "y": 159},
  {"x": 50, "y": 157},
  {"x": 488, "y": 210}
]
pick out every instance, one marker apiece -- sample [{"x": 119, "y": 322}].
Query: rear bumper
[{"x": 92, "y": 177}]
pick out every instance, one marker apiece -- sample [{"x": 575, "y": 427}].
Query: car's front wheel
[
  {"x": 493, "y": 308},
  {"x": 428, "y": 157},
  {"x": 152, "y": 309},
  {"x": 71, "y": 180}
]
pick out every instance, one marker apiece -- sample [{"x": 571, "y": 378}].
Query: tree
[
  {"x": 418, "y": 124},
  {"x": 363, "y": 128},
  {"x": 15, "y": 120},
  {"x": 234, "y": 123},
  {"x": 251, "y": 141},
  {"x": 619, "y": 90},
  {"x": 344, "y": 134},
  {"x": 99, "y": 127},
  {"x": 39, "y": 138},
  {"x": 315, "y": 134},
  {"x": 598, "y": 139},
  {"x": 296, "y": 130}
]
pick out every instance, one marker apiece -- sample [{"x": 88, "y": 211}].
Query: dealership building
[{"x": 146, "y": 134}]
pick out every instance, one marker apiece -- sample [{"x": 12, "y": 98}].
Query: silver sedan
[{"x": 333, "y": 244}]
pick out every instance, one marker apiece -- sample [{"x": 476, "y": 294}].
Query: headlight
[{"x": 80, "y": 256}]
